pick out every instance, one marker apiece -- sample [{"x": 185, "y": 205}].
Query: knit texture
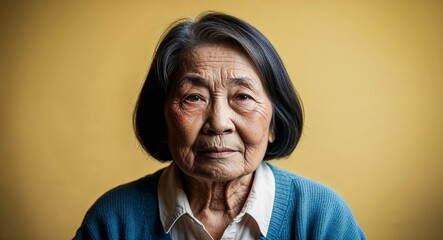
[{"x": 303, "y": 209}]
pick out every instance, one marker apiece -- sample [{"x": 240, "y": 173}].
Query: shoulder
[
  {"x": 310, "y": 209},
  {"x": 297, "y": 186},
  {"x": 131, "y": 208},
  {"x": 141, "y": 190}
]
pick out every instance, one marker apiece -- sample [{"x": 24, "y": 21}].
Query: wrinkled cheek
[
  {"x": 256, "y": 145},
  {"x": 181, "y": 151},
  {"x": 257, "y": 134},
  {"x": 178, "y": 123},
  {"x": 182, "y": 134}
]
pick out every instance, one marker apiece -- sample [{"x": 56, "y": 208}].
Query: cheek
[
  {"x": 182, "y": 127},
  {"x": 257, "y": 126}
]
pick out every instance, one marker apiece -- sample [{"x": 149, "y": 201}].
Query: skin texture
[{"x": 218, "y": 116}]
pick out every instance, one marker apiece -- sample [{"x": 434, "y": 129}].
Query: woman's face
[{"x": 218, "y": 115}]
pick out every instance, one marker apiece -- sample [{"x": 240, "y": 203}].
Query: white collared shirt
[{"x": 178, "y": 220}]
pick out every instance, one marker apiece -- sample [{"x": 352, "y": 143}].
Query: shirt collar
[
  {"x": 261, "y": 197},
  {"x": 173, "y": 202},
  {"x": 172, "y": 199}
]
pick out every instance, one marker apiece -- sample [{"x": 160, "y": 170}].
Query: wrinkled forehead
[{"x": 219, "y": 61}]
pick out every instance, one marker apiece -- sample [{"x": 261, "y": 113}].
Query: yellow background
[{"x": 370, "y": 74}]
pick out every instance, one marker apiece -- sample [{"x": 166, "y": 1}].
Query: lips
[{"x": 217, "y": 152}]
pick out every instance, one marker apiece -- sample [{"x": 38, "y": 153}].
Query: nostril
[
  {"x": 227, "y": 131},
  {"x": 211, "y": 132},
  {"x": 215, "y": 131}
]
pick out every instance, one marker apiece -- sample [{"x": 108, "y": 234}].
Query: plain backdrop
[{"x": 370, "y": 74}]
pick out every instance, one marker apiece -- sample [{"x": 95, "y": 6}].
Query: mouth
[{"x": 217, "y": 153}]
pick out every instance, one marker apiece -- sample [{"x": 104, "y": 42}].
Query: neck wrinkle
[{"x": 212, "y": 197}]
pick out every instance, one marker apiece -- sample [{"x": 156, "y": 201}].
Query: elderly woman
[{"x": 218, "y": 103}]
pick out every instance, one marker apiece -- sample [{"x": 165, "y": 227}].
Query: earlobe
[{"x": 271, "y": 136}]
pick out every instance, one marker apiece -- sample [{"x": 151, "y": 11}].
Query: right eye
[{"x": 193, "y": 98}]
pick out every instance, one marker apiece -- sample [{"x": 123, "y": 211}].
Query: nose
[{"x": 219, "y": 119}]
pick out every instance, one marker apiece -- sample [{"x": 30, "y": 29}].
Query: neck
[
  {"x": 215, "y": 203},
  {"x": 216, "y": 196}
]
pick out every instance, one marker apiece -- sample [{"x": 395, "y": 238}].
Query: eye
[
  {"x": 243, "y": 97},
  {"x": 193, "y": 98}
]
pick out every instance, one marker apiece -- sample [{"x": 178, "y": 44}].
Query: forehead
[
  {"x": 206, "y": 56},
  {"x": 217, "y": 66}
]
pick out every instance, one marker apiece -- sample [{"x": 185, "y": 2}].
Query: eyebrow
[
  {"x": 193, "y": 80},
  {"x": 200, "y": 81},
  {"x": 242, "y": 81}
]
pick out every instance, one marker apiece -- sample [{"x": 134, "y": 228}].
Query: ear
[{"x": 271, "y": 136}]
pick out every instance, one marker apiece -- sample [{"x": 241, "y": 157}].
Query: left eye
[{"x": 243, "y": 97}]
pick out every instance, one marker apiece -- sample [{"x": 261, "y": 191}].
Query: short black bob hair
[{"x": 211, "y": 27}]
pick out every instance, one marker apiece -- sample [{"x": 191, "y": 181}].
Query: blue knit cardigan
[{"x": 303, "y": 209}]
